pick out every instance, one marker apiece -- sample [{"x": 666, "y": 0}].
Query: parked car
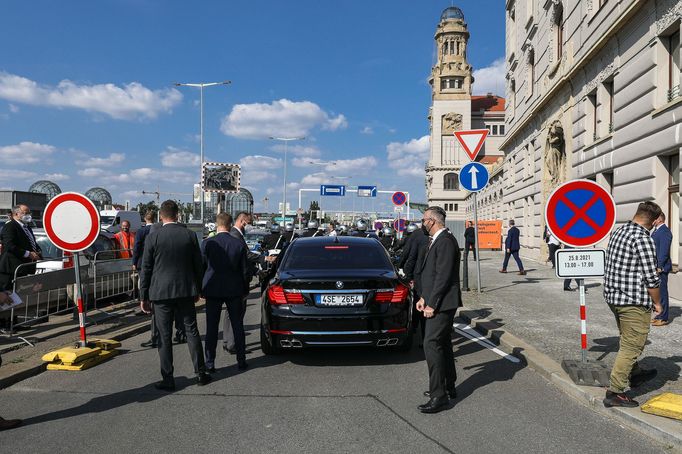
[
  {"x": 335, "y": 291},
  {"x": 110, "y": 220},
  {"x": 104, "y": 242}
]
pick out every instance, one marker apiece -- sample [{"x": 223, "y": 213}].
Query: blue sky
[{"x": 87, "y": 96}]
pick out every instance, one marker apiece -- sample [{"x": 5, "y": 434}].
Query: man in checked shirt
[{"x": 631, "y": 289}]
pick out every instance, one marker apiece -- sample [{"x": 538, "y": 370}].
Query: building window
[
  {"x": 448, "y": 83},
  {"x": 450, "y": 182},
  {"x": 591, "y": 108},
  {"x": 608, "y": 89},
  {"x": 501, "y": 130},
  {"x": 494, "y": 132},
  {"x": 673, "y": 214},
  {"x": 560, "y": 36},
  {"x": 673, "y": 50}
]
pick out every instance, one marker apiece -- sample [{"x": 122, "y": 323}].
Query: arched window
[{"x": 450, "y": 182}]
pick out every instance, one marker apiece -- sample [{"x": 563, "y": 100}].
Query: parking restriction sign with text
[{"x": 580, "y": 213}]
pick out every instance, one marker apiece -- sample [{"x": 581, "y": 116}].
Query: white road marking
[{"x": 470, "y": 333}]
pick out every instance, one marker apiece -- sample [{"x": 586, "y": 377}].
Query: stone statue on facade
[
  {"x": 451, "y": 122},
  {"x": 555, "y": 154}
]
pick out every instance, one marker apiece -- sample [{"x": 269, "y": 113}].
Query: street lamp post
[
  {"x": 201, "y": 86},
  {"x": 286, "y": 141}
]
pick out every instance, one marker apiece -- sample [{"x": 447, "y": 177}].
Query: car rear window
[{"x": 336, "y": 257}]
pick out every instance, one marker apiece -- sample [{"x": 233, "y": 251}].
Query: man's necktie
[
  {"x": 34, "y": 246},
  {"x": 430, "y": 241}
]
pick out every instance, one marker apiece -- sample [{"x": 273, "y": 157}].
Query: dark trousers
[
  {"x": 235, "y": 311},
  {"x": 665, "y": 299},
  {"x": 183, "y": 309},
  {"x": 418, "y": 320},
  {"x": 552, "y": 250},
  {"x": 514, "y": 254},
  {"x": 469, "y": 247},
  {"x": 179, "y": 326},
  {"x": 438, "y": 351}
]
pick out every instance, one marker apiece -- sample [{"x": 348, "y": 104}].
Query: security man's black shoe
[
  {"x": 452, "y": 394},
  {"x": 435, "y": 405}
]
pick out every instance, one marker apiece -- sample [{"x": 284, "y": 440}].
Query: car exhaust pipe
[
  {"x": 285, "y": 343},
  {"x": 392, "y": 341},
  {"x": 382, "y": 342},
  {"x": 295, "y": 343}
]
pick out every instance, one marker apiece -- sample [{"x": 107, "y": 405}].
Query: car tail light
[
  {"x": 278, "y": 296},
  {"x": 68, "y": 263},
  {"x": 396, "y": 296}
]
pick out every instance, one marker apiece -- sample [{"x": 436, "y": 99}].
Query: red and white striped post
[
  {"x": 583, "y": 320},
  {"x": 79, "y": 301}
]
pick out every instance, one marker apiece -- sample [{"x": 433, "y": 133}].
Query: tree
[{"x": 142, "y": 208}]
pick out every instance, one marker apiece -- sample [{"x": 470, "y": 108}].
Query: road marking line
[{"x": 470, "y": 333}]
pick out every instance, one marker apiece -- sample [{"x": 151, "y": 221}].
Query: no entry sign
[
  {"x": 580, "y": 213},
  {"x": 71, "y": 222}
]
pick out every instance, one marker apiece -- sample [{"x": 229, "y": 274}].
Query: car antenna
[{"x": 336, "y": 239}]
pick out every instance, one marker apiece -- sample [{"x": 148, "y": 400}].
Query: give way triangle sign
[{"x": 472, "y": 141}]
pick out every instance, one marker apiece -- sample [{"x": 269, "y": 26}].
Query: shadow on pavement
[
  {"x": 668, "y": 370},
  {"x": 353, "y": 356},
  {"x": 607, "y": 345},
  {"x": 673, "y": 313},
  {"x": 485, "y": 373}
]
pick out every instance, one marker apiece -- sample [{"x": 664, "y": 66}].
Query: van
[{"x": 110, "y": 220}]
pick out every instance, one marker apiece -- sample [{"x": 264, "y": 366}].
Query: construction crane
[{"x": 158, "y": 194}]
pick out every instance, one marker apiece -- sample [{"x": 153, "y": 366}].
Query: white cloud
[
  {"x": 308, "y": 151},
  {"x": 257, "y": 162},
  {"x": 13, "y": 108},
  {"x": 130, "y": 101},
  {"x": 316, "y": 178},
  {"x": 353, "y": 166},
  {"x": 408, "y": 158},
  {"x": 490, "y": 79},
  {"x": 367, "y": 130},
  {"x": 91, "y": 172},
  {"x": 10, "y": 174},
  {"x": 56, "y": 177},
  {"x": 175, "y": 157},
  {"x": 249, "y": 177},
  {"x": 144, "y": 175},
  {"x": 112, "y": 160},
  {"x": 283, "y": 118},
  {"x": 25, "y": 153}
]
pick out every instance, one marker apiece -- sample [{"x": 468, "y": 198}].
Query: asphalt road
[{"x": 349, "y": 400}]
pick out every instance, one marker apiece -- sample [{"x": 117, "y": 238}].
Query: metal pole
[
  {"x": 79, "y": 301},
  {"x": 284, "y": 188},
  {"x": 478, "y": 253},
  {"x": 583, "y": 320},
  {"x": 201, "y": 158},
  {"x": 299, "y": 206},
  {"x": 408, "y": 207}
]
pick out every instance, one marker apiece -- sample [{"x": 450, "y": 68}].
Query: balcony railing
[
  {"x": 610, "y": 127},
  {"x": 674, "y": 93}
]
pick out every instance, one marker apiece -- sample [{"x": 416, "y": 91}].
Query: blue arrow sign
[
  {"x": 333, "y": 190},
  {"x": 473, "y": 177},
  {"x": 367, "y": 191}
]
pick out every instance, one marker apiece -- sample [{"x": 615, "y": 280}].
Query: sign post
[
  {"x": 72, "y": 224},
  {"x": 580, "y": 213},
  {"x": 474, "y": 177}
]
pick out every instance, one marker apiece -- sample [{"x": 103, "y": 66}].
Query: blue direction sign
[
  {"x": 367, "y": 191},
  {"x": 338, "y": 190},
  {"x": 473, "y": 177}
]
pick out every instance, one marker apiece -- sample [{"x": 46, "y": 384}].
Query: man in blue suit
[
  {"x": 663, "y": 239},
  {"x": 512, "y": 246},
  {"x": 226, "y": 281}
]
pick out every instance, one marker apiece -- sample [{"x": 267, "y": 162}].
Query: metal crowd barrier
[
  {"x": 111, "y": 276},
  {"x": 50, "y": 292}
]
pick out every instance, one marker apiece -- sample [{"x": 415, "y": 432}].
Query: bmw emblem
[{"x": 339, "y": 285}]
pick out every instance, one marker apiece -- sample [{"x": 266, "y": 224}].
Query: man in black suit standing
[
  {"x": 417, "y": 245},
  {"x": 171, "y": 279},
  {"x": 440, "y": 300},
  {"x": 19, "y": 246},
  {"x": 469, "y": 240},
  {"x": 138, "y": 251},
  {"x": 226, "y": 281}
]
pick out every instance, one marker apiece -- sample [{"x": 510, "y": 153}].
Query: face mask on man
[
  {"x": 424, "y": 228},
  {"x": 26, "y": 218}
]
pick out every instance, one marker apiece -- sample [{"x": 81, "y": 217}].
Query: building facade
[
  {"x": 593, "y": 91},
  {"x": 454, "y": 108}
]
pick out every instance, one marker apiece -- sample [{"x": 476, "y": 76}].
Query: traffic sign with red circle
[
  {"x": 71, "y": 222},
  {"x": 399, "y": 198},
  {"x": 580, "y": 213},
  {"x": 400, "y": 225}
]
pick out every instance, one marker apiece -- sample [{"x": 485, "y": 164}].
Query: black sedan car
[{"x": 336, "y": 291}]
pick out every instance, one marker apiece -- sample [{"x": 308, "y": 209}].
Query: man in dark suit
[
  {"x": 19, "y": 247},
  {"x": 417, "y": 244},
  {"x": 440, "y": 300},
  {"x": 138, "y": 251},
  {"x": 469, "y": 240},
  {"x": 171, "y": 279},
  {"x": 512, "y": 245},
  {"x": 663, "y": 239},
  {"x": 226, "y": 281}
]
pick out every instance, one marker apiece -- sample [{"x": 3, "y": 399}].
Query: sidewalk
[{"x": 533, "y": 310}]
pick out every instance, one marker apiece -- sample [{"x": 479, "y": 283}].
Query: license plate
[{"x": 339, "y": 300}]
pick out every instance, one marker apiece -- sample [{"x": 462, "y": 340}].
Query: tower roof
[{"x": 452, "y": 13}]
